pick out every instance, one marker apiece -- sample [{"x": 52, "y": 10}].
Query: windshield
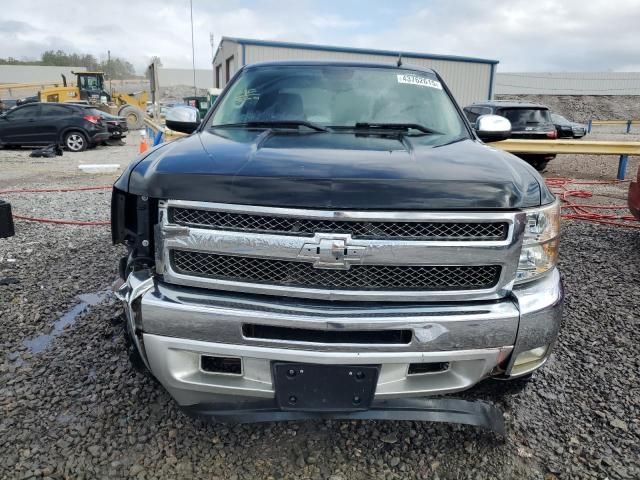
[
  {"x": 520, "y": 117},
  {"x": 340, "y": 96}
]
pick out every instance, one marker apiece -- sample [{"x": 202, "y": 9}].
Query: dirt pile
[
  {"x": 581, "y": 108},
  {"x": 177, "y": 92}
]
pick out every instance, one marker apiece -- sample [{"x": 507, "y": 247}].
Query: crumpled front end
[
  {"x": 464, "y": 343},
  {"x": 236, "y": 297}
]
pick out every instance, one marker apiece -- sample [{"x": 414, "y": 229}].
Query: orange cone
[{"x": 144, "y": 146}]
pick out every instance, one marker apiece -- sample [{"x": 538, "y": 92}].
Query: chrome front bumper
[{"x": 175, "y": 325}]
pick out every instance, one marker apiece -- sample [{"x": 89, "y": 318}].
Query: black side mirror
[
  {"x": 183, "y": 118},
  {"x": 493, "y": 128}
]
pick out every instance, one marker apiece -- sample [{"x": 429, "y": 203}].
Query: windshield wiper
[
  {"x": 395, "y": 126},
  {"x": 274, "y": 123}
]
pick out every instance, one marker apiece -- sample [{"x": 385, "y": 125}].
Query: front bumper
[
  {"x": 99, "y": 137},
  {"x": 175, "y": 325}
]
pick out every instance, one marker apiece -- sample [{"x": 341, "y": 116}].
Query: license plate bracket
[{"x": 324, "y": 388}]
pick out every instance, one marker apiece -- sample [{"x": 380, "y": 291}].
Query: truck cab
[
  {"x": 91, "y": 87},
  {"x": 332, "y": 239}
]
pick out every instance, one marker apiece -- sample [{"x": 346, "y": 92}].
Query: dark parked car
[
  {"x": 35, "y": 124},
  {"x": 116, "y": 125},
  {"x": 528, "y": 120},
  {"x": 7, "y": 104},
  {"x": 567, "y": 128}
]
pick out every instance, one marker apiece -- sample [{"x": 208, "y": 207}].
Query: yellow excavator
[{"x": 90, "y": 88}]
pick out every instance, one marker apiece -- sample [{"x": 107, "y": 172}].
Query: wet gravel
[{"x": 76, "y": 409}]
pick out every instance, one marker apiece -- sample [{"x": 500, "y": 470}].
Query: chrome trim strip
[{"x": 371, "y": 252}]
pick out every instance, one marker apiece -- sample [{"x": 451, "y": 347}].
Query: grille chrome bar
[
  {"x": 350, "y": 254},
  {"x": 390, "y": 229}
]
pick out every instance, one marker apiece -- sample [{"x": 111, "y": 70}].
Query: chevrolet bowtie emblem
[{"x": 332, "y": 252}]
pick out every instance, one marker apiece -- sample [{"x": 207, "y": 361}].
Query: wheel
[
  {"x": 496, "y": 388},
  {"x": 76, "y": 141},
  {"x": 134, "y": 116},
  {"x": 541, "y": 165},
  {"x": 538, "y": 163},
  {"x": 510, "y": 387},
  {"x": 135, "y": 358}
]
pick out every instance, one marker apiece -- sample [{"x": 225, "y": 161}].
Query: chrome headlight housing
[{"x": 541, "y": 242}]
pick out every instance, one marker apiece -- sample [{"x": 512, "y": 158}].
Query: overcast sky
[{"x": 524, "y": 35}]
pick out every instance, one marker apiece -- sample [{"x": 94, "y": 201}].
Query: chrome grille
[
  {"x": 481, "y": 231},
  {"x": 358, "y": 277}
]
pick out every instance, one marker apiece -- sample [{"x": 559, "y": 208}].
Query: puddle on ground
[{"x": 42, "y": 342}]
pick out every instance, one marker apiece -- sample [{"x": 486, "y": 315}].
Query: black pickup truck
[{"x": 334, "y": 239}]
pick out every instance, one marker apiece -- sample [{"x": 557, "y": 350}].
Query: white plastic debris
[{"x": 99, "y": 168}]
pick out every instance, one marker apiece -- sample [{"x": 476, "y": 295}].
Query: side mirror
[
  {"x": 493, "y": 128},
  {"x": 182, "y": 118}
]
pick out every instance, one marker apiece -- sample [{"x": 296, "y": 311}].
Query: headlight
[{"x": 541, "y": 241}]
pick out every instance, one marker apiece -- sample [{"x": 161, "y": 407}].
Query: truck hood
[{"x": 334, "y": 170}]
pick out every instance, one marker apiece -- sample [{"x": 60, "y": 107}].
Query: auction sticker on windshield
[{"x": 420, "y": 81}]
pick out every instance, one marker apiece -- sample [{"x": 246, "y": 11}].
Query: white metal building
[
  {"x": 36, "y": 73},
  {"x": 470, "y": 79},
  {"x": 169, "y": 77},
  {"x": 568, "y": 83}
]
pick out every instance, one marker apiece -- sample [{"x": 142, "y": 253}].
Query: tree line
[{"x": 117, "y": 68}]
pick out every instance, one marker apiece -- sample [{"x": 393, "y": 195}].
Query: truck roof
[{"x": 339, "y": 63}]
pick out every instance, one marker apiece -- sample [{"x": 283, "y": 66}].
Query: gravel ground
[{"x": 71, "y": 407}]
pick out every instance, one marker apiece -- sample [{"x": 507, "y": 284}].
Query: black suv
[
  {"x": 528, "y": 120},
  {"x": 75, "y": 127}
]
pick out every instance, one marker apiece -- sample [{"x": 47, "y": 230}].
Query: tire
[
  {"x": 540, "y": 165},
  {"x": 134, "y": 356},
  {"x": 510, "y": 387},
  {"x": 537, "y": 162},
  {"x": 494, "y": 389},
  {"x": 134, "y": 116},
  {"x": 76, "y": 141}
]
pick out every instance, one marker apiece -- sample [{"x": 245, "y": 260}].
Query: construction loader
[{"x": 90, "y": 88}]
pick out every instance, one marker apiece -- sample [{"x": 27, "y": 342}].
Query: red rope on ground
[
  {"x": 63, "y": 222},
  {"x": 58, "y": 190},
  {"x": 582, "y": 211}
]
